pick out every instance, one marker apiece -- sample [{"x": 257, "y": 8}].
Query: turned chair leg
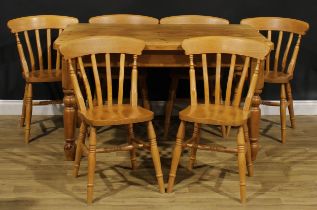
[
  {"x": 283, "y": 105},
  {"x": 79, "y": 148},
  {"x": 155, "y": 156},
  {"x": 193, "y": 150},
  {"x": 248, "y": 152},
  {"x": 133, "y": 151},
  {"x": 91, "y": 164},
  {"x": 290, "y": 104},
  {"x": 176, "y": 156},
  {"x": 28, "y": 113},
  {"x": 242, "y": 164},
  {"x": 170, "y": 105},
  {"x": 224, "y": 131},
  {"x": 144, "y": 91},
  {"x": 22, "y": 119}
]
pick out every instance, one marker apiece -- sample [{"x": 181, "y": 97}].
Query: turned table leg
[
  {"x": 69, "y": 114},
  {"x": 254, "y": 120}
]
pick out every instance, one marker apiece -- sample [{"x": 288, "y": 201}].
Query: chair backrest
[
  {"x": 280, "y": 27},
  {"x": 123, "y": 19},
  {"x": 193, "y": 19},
  {"x": 210, "y": 46},
  {"x": 25, "y": 28},
  {"x": 101, "y": 46}
]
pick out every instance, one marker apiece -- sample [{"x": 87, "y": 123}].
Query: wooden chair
[
  {"x": 228, "y": 113},
  {"x": 281, "y": 71},
  {"x": 35, "y": 69},
  {"x": 129, "y": 19},
  {"x": 109, "y": 113},
  {"x": 176, "y": 76}
]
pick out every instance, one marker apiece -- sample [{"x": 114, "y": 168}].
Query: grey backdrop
[{"x": 304, "y": 84}]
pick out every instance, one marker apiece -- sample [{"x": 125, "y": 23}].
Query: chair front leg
[
  {"x": 132, "y": 152},
  {"x": 242, "y": 164},
  {"x": 193, "y": 150},
  {"x": 248, "y": 152},
  {"x": 28, "y": 113},
  {"x": 79, "y": 148},
  {"x": 176, "y": 156},
  {"x": 283, "y": 104},
  {"x": 290, "y": 104},
  {"x": 91, "y": 164},
  {"x": 155, "y": 156},
  {"x": 22, "y": 119}
]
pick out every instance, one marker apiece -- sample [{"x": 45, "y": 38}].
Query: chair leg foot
[
  {"x": 156, "y": 156},
  {"x": 176, "y": 156}
]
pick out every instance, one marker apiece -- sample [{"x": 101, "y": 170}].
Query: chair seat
[
  {"x": 277, "y": 77},
  {"x": 44, "y": 76},
  {"x": 116, "y": 115},
  {"x": 214, "y": 115}
]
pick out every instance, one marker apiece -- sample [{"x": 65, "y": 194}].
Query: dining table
[{"x": 162, "y": 49}]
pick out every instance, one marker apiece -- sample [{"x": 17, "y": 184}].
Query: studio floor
[{"x": 35, "y": 176}]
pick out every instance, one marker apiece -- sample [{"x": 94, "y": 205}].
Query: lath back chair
[
  {"x": 43, "y": 66},
  {"x": 123, "y": 19},
  {"x": 106, "y": 112},
  {"x": 280, "y": 64},
  {"x": 129, "y": 19},
  {"x": 229, "y": 112},
  {"x": 176, "y": 76}
]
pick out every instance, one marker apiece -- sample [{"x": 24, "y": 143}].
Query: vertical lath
[
  {"x": 49, "y": 49},
  {"x": 206, "y": 79},
  {"x": 97, "y": 79},
  {"x": 268, "y": 57},
  {"x": 278, "y": 49},
  {"x": 76, "y": 87},
  {"x": 230, "y": 80},
  {"x": 288, "y": 46},
  {"x": 109, "y": 80},
  {"x": 121, "y": 78},
  {"x": 292, "y": 63},
  {"x": 86, "y": 82},
  {"x": 134, "y": 79},
  {"x": 218, "y": 77},
  {"x": 22, "y": 56},
  {"x": 193, "y": 91},
  {"x": 58, "y": 55},
  {"x": 252, "y": 86},
  {"x": 39, "y": 49},
  {"x": 237, "y": 97},
  {"x": 30, "y": 50}
]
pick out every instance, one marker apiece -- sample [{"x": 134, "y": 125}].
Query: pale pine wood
[
  {"x": 221, "y": 114},
  {"x": 129, "y": 19},
  {"x": 187, "y": 19},
  {"x": 123, "y": 19},
  {"x": 282, "y": 72},
  {"x": 163, "y": 49},
  {"x": 21, "y": 27},
  {"x": 108, "y": 113},
  {"x": 193, "y": 19}
]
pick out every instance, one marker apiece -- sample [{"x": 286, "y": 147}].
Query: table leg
[
  {"x": 254, "y": 120},
  {"x": 69, "y": 115}
]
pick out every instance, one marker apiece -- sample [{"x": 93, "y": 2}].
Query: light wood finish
[
  {"x": 33, "y": 70},
  {"x": 280, "y": 65},
  {"x": 123, "y": 19},
  {"x": 37, "y": 176},
  {"x": 186, "y": 19},
  {"x": 229, "y": 113},
  {"x": 129, "y": 19},
  {"x": 193, "y": 19},
  {"x": 95, "y": 112},
  {"x": 162, "y": 49}
]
